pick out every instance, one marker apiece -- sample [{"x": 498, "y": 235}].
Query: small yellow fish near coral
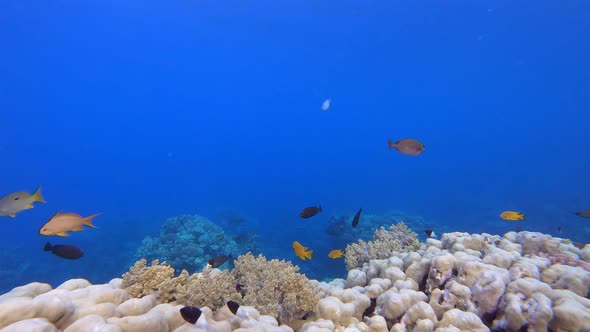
[
  {"x": 301, "y": 251},
  {"x": 14, "y": 203},
  {"x": 336, "y": 254},
  {"x": 512, "y": 215},
  {"x": 61, "y": 223}
]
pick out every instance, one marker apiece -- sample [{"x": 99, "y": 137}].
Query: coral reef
[
  {"x": 212, "y": 288},
  {"x": 143, "y": 280},
  {"x": 386, "y": 242},
  {"x": 187, "y": 242},
  {"x": 78, "y": 306},
  {"x": 462, "y": 282},
  {"x": 274, "y": 287}
]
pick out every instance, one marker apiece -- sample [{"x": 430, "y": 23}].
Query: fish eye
[{"x": 16, "y": 198}]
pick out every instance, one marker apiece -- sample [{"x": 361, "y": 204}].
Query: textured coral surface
[{"x": 463, "y": 282}]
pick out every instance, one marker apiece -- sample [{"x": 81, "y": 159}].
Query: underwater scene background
[{"x": 150, "y": 110}]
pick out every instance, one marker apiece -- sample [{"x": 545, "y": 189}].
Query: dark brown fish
[
  {"x": 429, "y": 232},
  {"x": 559, "y": 229},
  {"x": 64, "y": 251},
  {"x": 584, "y": 214},
  {"x": 408, "y": 146},
  {"x": 370, "y": 311},
  {"x": 233, "y": 306},
  {"x": 219, "y": 260},
  {"x": 190, "y": 314},
  {"x": 310, "y": 211},
  {"x": 357, "y": 217}
]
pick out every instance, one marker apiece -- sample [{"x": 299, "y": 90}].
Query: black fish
[
  {"x": 357, "y": 216},
  {"x": 64, "y": 251},
  {"x": 428, "y": 232},
  {"x": 518, "y": 229},
  {"x": 371, "y": 308},
  {"x": 558, "y": 229},
  {"x": 233, "y": 306},
  {"x": 219, "y": 260},
  {"x": 584, "y": 214},
  {"x": 310, "y": 211},
  {"x": 190, "y": 314}
]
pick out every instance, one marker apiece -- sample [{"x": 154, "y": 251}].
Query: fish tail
[
  {"x": 522, "y": 215},
  {"x": 308, "y": 254},
  {"x": 88, "y": 220},
  {"x": 47, "y": 247},
  {"x": 390, "y": 144},
  {"x": 37, "y": 196}
]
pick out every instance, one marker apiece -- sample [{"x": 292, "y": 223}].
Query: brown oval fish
[
  {"x": 310, "y": 211},
  {"x": 61, "y": 223},
  {"x": 408, "y": 146}
]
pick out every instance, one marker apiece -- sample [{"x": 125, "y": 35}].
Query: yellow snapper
[
  {"x": 14, "y": 203},
  {"x": 61, "y": 223}
]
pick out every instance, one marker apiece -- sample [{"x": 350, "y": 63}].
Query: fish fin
[
  {"x": 37, "y": 196},
  {"x": 64, "y": 234},
  {"x": 390, "y": 144},
  {"x": 29, "y": 206},
  {"x": 308, "y": 254},
  {"x": 88, "y": 220},
  {"x": 12, "y": 215},
  {"x": 47, "y": 247},
  {"x": 522, "y": 216}
]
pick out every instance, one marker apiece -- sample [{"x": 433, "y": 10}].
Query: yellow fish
[
  {"x": 301, "y": 251},
  {"x": 14, "y": 203},
  {"x": 336, "y": 253},
  {"x": 512, "y": 215},
  {"x": 61, "y": 223}
]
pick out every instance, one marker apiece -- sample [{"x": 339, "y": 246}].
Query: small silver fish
[{"x": 14, "y": 203}]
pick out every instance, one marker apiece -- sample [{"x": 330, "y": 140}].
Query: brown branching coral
[
  {"x": 275, "y": 287},
  {"x": 173, "y": 290},
  {"x": 386, "y": 242},
  {"x": 142, "y": 280},
  {"x": 212, "y": 288}
]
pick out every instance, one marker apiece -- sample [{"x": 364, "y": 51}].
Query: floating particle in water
[{"x": 326, "y": 104}]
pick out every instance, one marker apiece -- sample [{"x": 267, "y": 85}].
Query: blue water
[{"x": 145, "y": 110}]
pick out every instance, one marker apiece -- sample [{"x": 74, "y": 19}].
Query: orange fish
[
  {"x": 409, "y": 146},
  {"x": 61, "y": 223},
  {"x": 512, "y": 215},
  {"x": 301, "y": 251},
  {"x": 336, "y": 254}
]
